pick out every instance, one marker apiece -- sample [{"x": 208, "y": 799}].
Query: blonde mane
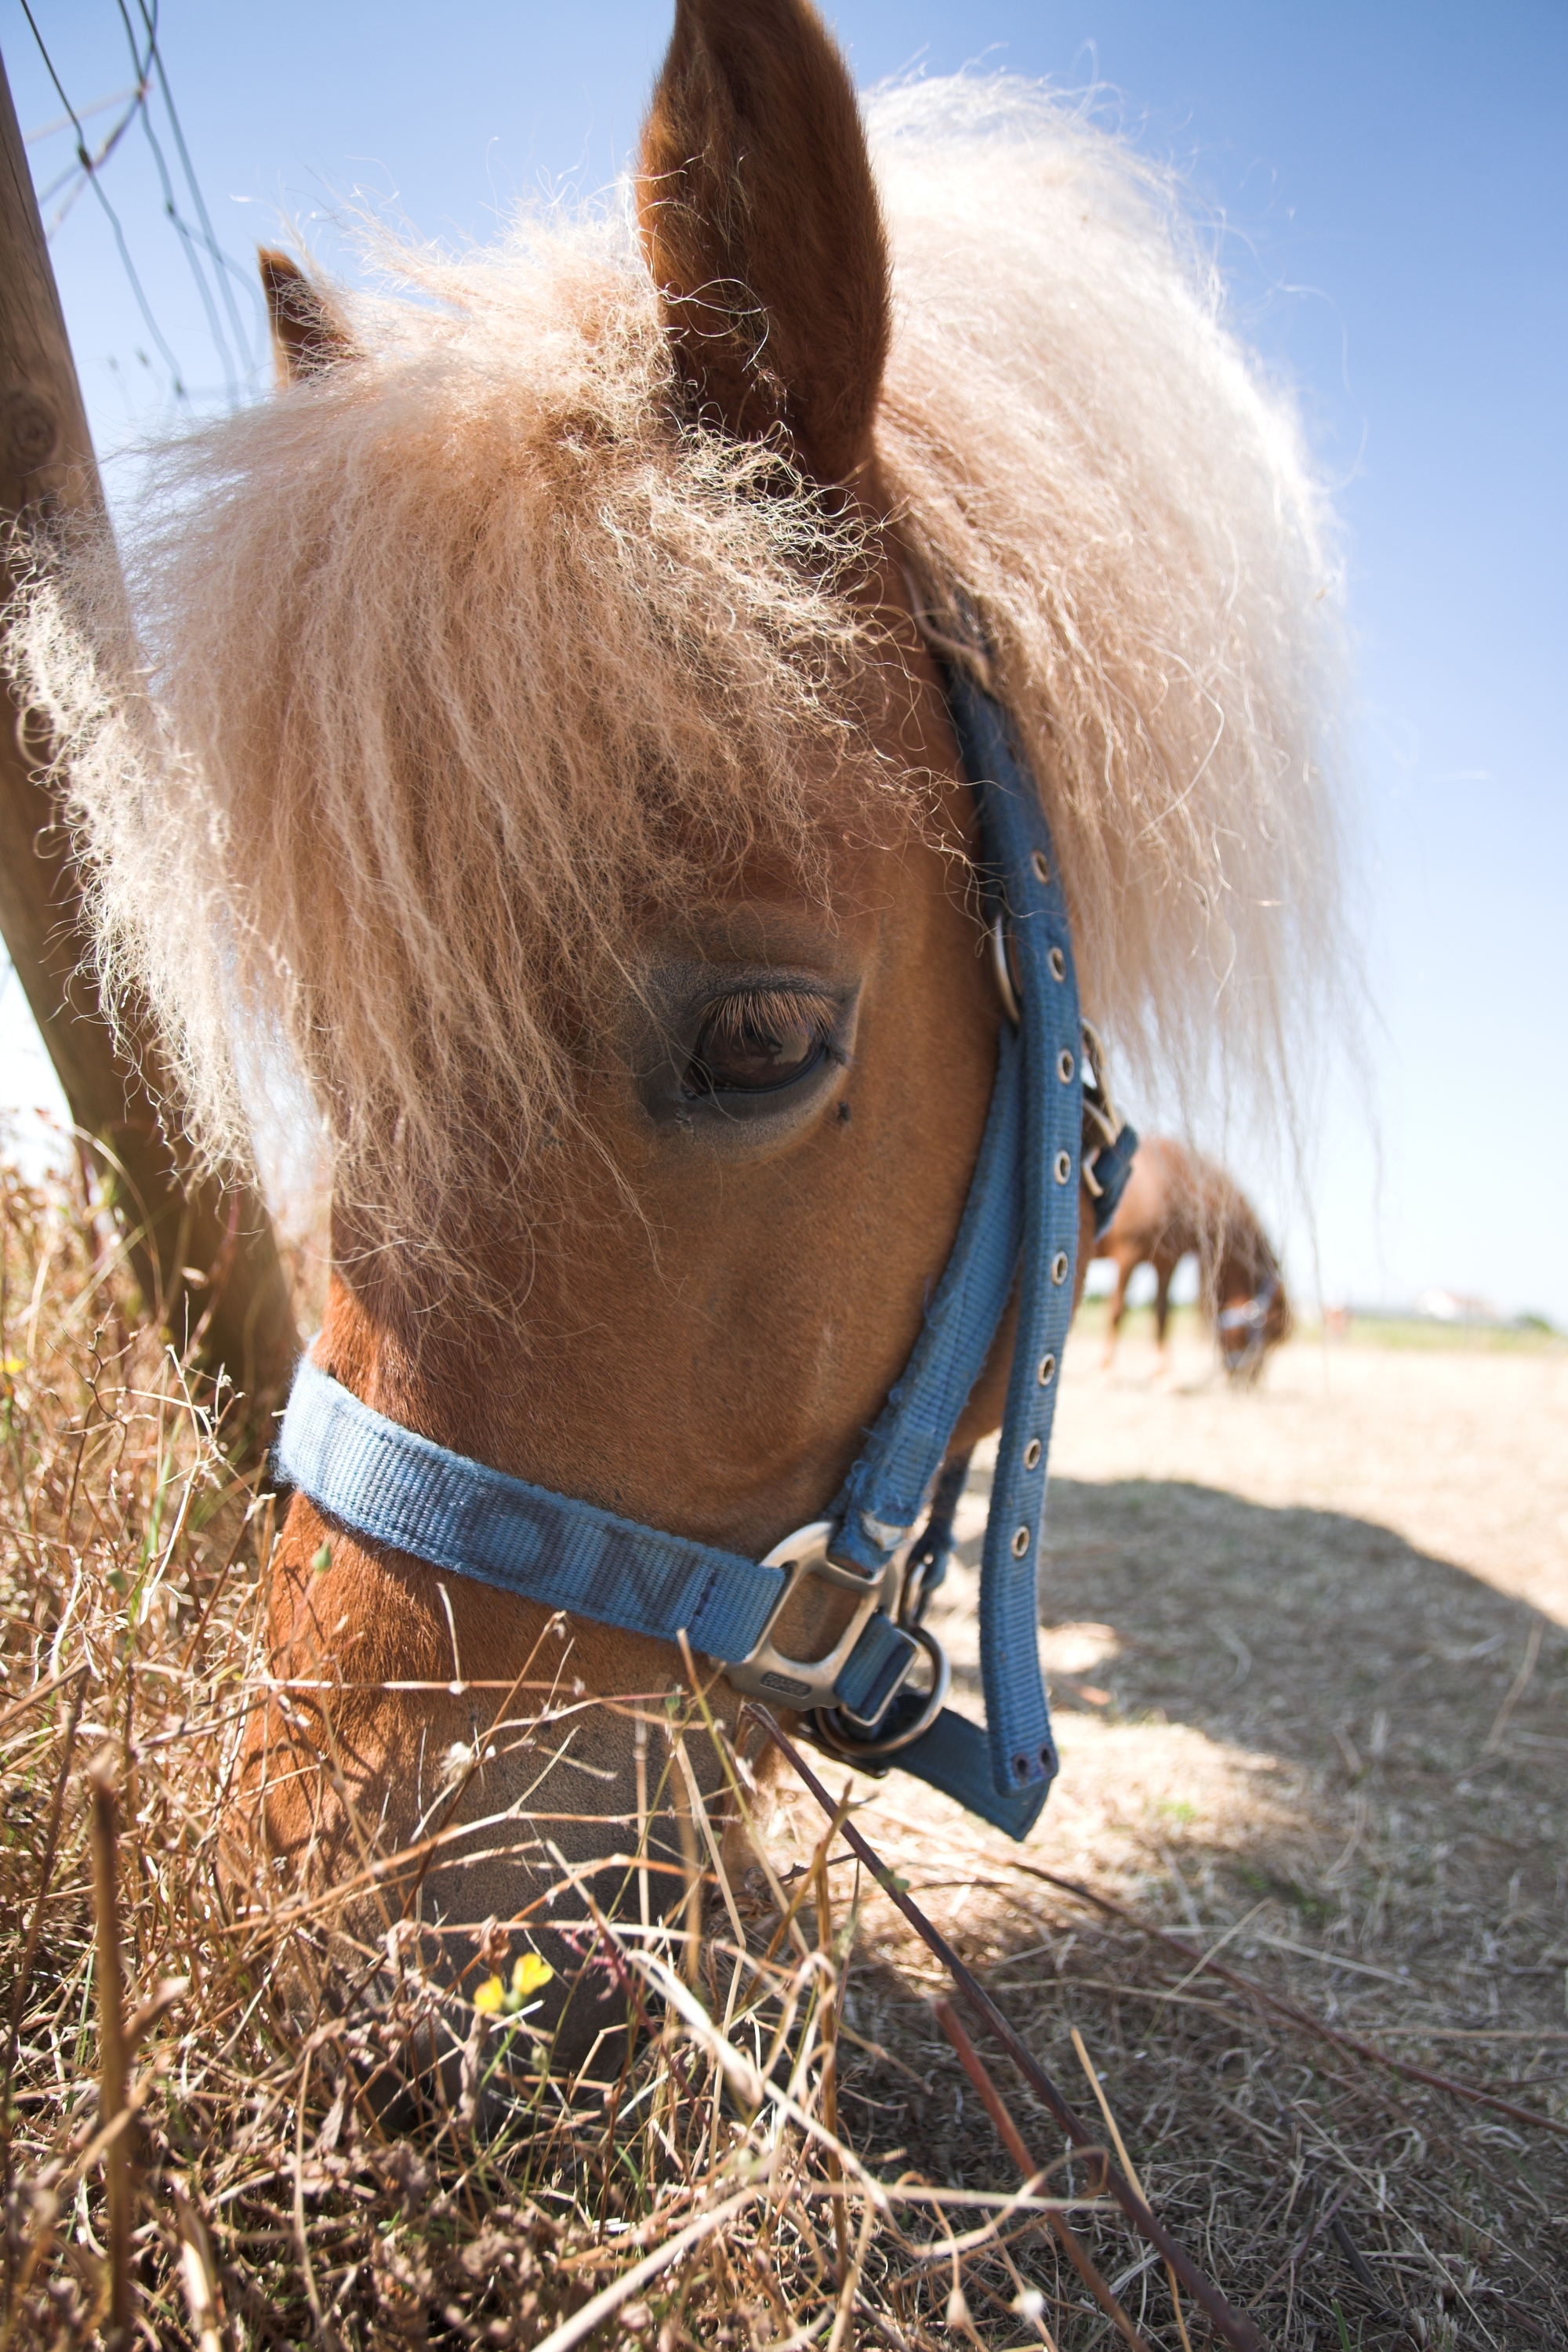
[
  {"x": 438, "y": 669},
  {"x": 1086, "y": 454}
]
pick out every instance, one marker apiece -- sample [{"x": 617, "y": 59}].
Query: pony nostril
[
  {"x": 1021, "y": 1767},
  {"x": 1046, "y": 1757}
]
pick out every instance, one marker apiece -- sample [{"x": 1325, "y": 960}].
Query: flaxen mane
[
  {"x": 447, "y": 661},
  {"x": 1087, "y": 455}
]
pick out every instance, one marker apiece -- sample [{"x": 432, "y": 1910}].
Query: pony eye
[{"x": 752, "y": 1043}]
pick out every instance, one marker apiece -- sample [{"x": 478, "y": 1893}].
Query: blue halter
[{"x": 1049, "y": 1127}]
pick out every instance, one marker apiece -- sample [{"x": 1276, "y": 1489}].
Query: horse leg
[
  {"x": 1118, "y": 1309},
  {"x": 1164, "y": 1270}
]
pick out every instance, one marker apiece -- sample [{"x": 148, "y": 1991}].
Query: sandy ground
[{"x": 1462, "y": 1451}]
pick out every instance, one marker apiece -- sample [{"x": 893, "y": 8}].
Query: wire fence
[{"x": 225, "y": 294}]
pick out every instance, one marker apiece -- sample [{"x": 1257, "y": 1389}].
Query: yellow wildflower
[{"x": 529, "y": 1972}]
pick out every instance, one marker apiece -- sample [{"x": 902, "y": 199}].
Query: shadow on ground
[
  {"x": 1364, "y": 1665},
  {"x": 1290, "y": 1730}
]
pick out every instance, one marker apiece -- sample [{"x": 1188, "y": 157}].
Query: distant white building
[{"x": 1453, "y": 1307}]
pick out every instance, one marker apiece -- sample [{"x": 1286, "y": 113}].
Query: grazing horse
[
  {"x": 1176, "y": 1205},
  {"x": 535, "y": 728}
]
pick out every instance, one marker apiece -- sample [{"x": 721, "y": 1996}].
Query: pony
[
  {"x": 1177, "y": 1204},
  {"x": 527, "y": 732}
]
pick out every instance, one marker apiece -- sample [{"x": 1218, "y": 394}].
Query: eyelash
[{"x": 772, "y": 1013}]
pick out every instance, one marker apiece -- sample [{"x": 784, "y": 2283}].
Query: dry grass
[{"x": 789, "y": 2151}]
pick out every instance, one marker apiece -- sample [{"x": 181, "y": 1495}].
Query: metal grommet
[
  {"x": 1065, "y": 1066},
  {"x": 1059, "y": 964},
  {"x": 1062, "y": 1166},
  {"x": 1020, "y": 1543},
  {"x": 1047, "y": 1371},
  {"x": 1032, "y": 1454},
  {"x": 1059, "y": 1266},
  {"x": 1042, "y": 871}
]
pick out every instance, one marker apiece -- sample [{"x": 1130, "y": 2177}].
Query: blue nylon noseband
[{"x": 1018, "y": 1235}]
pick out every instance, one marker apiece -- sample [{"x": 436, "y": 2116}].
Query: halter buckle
[
  {"x": 1103, "y": 1123},
  {"x": 808, "y": 1683}
]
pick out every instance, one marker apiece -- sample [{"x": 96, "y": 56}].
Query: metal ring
[
  {"x": 1065, "y": 1066},
  {"x": 1059, "y": 964},
  {"x": 1002, "y": 972},
  {"x": 1047, "y": 1371},
  {"x": 1042, "y": 870},
  {"x": 1059, "y": 1266},
  {"x": 1020, "y": 1543},
  {"x": 1062, "y": 1166},
  {"x": 833, "y": 1736},
  {"x": 1032, "y": 1454}
]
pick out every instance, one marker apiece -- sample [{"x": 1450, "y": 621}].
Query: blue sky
[{"x": 1388, "y": 181}]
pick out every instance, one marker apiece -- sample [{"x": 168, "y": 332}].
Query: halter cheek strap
[{"x": 1018, "y": 1235}]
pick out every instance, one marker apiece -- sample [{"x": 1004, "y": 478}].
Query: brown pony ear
[
  {"x": 308, "y": 335},
  {"x": 760, "y": 220}
]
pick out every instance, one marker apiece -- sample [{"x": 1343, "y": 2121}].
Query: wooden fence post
[{"x": 204, "y": 1253}]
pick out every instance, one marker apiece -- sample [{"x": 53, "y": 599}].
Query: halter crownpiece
[{"x": 1050, "y": 1126}]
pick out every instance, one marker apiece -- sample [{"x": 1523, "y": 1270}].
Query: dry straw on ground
[{"x": 245, "y": 2143}]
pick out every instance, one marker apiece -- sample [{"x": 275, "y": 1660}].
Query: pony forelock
[{"x": 437, "y": 668}]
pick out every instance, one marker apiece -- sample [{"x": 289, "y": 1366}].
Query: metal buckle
[
  {"x": 1098, "y": 1111},
  {"x": 1103, "y": 1123},
  {"x": 809, "y": 1683}
]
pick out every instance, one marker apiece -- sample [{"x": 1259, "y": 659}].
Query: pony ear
[
  {"x": 760, "y": 220},
  {"x": 307, "y": 336}
]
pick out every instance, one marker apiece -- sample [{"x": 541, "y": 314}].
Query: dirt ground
[{"x": 1308, "y": 1653}]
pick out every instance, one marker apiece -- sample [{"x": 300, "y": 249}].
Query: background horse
[
  {"x": 527, "y": 729},
  {"x": 1177, "y": 1205}
]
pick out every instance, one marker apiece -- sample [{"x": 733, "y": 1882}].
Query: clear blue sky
[{"x": 1390, "y": 180}]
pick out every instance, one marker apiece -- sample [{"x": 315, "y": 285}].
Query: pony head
[{"x": 524, "y": 729}]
